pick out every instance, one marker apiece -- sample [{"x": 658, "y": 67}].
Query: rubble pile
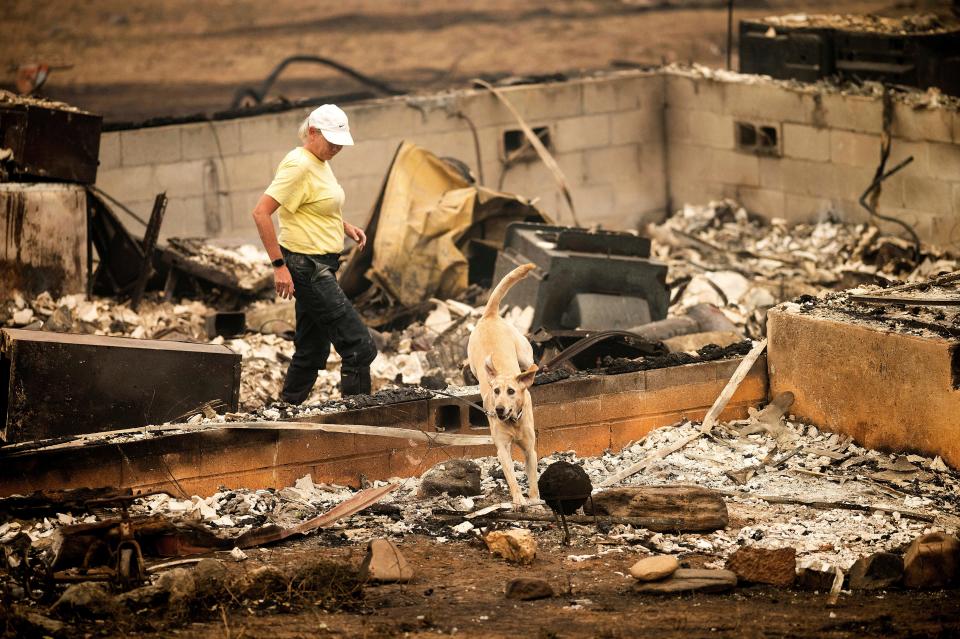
[
  {"x": 926, "y": 23},
  {"x": 720, "y": 254},
  {"x": 248, "y": 264}
]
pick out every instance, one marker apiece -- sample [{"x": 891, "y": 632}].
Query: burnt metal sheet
[
  {"x": 56, "y": 384},
  {"x": 50, "y": 144}
]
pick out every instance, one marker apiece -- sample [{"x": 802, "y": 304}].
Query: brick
[
  {"x": 704, "y": 94},
  {"x": 925, "y": 194},
  {"x": 248, "y": 171},
  {"x": 613, "y": 163},
  {"x": 853, "y": 113},
  {"x": 148, "y": 146},
  {"x": 856, "y": 149},
  {"x": 945, "y": 161},
  {"x": 806, "y": 142},
  {"x": 766, "y": 202},
  {"x": 711, "y": 129},
  {"x": 210, "y": 139},
  {"x": 622, "y": 92},
  {"x": 731, "y": 167},
  {"x": 109, "y": 151},
  {"x": 640, "y": 125},
  {"x": 180, "y": 179},
  {"x": 768, "y": 101},
  {"x": 922, "y": 124},
  {"x": 584, "y": 132}
]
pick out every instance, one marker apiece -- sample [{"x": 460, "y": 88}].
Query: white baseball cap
[{"x": 331, "y": 121}]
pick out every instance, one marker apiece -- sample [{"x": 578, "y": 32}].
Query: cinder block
[
  {"x": 925, "y": 194},
  {"x": 546, "y": 101},
  {"x": 766, "y": 202},
  {"x": 482, "y": 107},
  {"x": 184, "y": 217},
  {"x": 109, "y": 151},
  {"x": 210, "y": 139},
  {"x": 862, "y": 380},
  {"x": 922, "y": 124},
  {"x": 732, "y": 167},
  {"x": 584, "y": 132},
  {"x": 382, "y": 119},
  {"x": 239, "y": 207},
  {"x": 574, "y": 167},
  {"x": 180, "y": 179},
  {"x": 148, "y": 146},
  {"x": 802, "y": 209},
  {"x": 771, "y": 173},
  {"x": 806, "y": 142},
  {"x": 685, "y": 92},
  {"x": 802, "y": 177},
  {"x": 956, "y": 202},
  {"x": 849, "y": 183},
  {"x": 456, "y": 143},
  {"x": 612, "y": 164},
  {"x": 128, "y": 184},
  {"x": 693, "y": 192},
  {"x": 677, "y": 122},
  {"x": 852, "y": 112},
  {"x": 768, "y": 101},
  {"x": 940, "y": 230},
  {"x": 901, "y": 149},
  {"x": 273, "y": 132},
  {"x": 373, "y": 157},
  {"x": 638, "y": 125},
  {"x": 944, "y": 161},
  {"x": 711, "y": 129},
  {"x": 626, "y": 91},
  {"x": 249, "y": 171},
  {"x": 857, "y": 149},
  {"x": 688, "y": 163}
]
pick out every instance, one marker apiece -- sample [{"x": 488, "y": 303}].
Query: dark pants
[{"x": 325, "y": 316}]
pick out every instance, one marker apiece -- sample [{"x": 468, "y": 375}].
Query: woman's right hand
[{"x": 284, "y": 282}]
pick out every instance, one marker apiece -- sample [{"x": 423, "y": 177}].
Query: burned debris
[{"x": 746, "y": 366}]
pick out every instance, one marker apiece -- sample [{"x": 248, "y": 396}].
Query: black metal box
[
  {"x": 49, "y": 143},
  {"x": 56, "y": 384}
]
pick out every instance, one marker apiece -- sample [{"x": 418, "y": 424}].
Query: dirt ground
[
  {"x": 458, "y": 590},
  {"x": 132, "y": 61}
]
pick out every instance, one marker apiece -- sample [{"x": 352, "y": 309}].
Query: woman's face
[{"x": 319, "y": 146}]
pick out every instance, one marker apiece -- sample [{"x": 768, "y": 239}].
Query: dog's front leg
[{"x": 506, "y": 463}]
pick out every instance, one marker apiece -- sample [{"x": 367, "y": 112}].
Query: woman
[{"x": 307, "y": 254}]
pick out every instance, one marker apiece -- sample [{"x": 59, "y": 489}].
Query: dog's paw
[{"x": 519, "y": 503}]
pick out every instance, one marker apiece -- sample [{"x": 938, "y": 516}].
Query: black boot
[{"x": 355, "y": 381}]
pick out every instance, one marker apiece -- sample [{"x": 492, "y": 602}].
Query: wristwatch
[{"x": 278, "y": 262}]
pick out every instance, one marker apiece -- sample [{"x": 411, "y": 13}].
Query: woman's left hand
[{"x": 356, "y": 234}]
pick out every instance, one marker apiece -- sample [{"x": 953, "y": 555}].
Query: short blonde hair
[{"x": 304, "y": 131}]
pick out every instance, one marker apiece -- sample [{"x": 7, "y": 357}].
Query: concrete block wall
[
  {"x": 606, "y": 134},
  {"x": 828, "y": 152}
]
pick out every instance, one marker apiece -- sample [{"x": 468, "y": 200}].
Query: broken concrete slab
[
  {"x": 106, "y": 383},
  {"x": 517, "y": 545},
  {"x": 690, "y": 580}
]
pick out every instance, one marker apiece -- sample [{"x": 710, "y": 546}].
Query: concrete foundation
[
  {"x": 888, "y": 390},
  {"x": 588, "y": 415}
]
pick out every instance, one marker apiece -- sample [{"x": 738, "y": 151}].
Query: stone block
[
  {"x": 806, "y": 142},
  {"x": 638, "y": 125},
  {"x": 685, "y": 92},
  {"x": 149, "y": 146},
  {"x": 732, "y": 167},
  {"x": 866, "y": 361},
  {"x": 109, "y": 151},
  {"x": 210, "y": 139},
  {"x": 583, "y": 132},
  {"x": 248, "y": 171},
  {"x": 385, "y": 563},
  {"x": 612, "y": 164},
  {"x": 768, "y": 101},
  {"x": 857, "y": 149},
  {"x": 273, "y": 132},
  {"x": 850, "y": 112},
  {"x": 944, "y": 161},
  {"x": 922, "y": 124},
  {"x": 774, "y": 566}
]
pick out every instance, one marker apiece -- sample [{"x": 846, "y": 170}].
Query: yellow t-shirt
[{"x": 311, "y": 202}]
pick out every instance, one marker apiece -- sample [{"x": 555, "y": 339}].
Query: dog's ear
[
  {"x": 526, "y": 377},
  {"x": 488, "y": 364}
]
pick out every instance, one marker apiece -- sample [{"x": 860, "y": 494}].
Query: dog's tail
[{"x": 511, "y": 278}]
